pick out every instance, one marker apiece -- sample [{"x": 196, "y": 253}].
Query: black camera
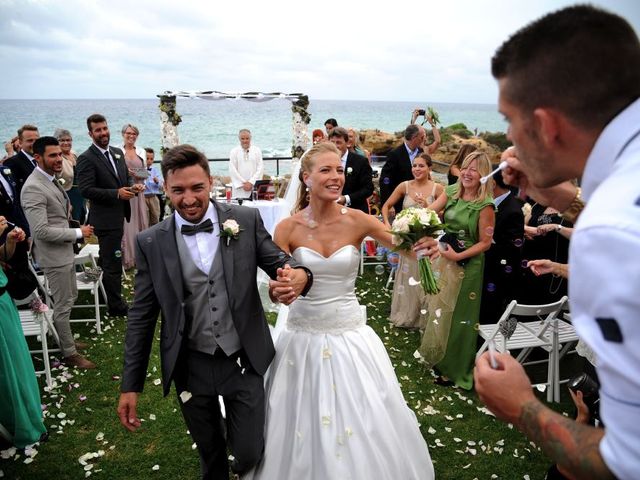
[
  {"x": 421, "y": 112},
  {"x": 590, "y": 394}
]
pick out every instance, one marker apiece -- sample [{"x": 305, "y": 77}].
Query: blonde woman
[
  {"x": 408, "y": 301},
  {"x": 334, "y": 406},
  {"x": 449, "y": 340}
]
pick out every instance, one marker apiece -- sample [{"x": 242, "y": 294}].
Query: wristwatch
[
  {"x": 577, "y": 204},
  {"x": 559, "y": 227}
]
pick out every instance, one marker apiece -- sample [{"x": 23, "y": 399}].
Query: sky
[{"x": 350, "y": 50}]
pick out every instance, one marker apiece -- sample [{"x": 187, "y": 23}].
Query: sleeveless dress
[
  {"x": 449, "y": 340},
  {"x": 20, "y": 407},
  {"x": 334, "y": 406},
  {"x": 138, "y": 221},
  {"x": 408, "y": 300}
]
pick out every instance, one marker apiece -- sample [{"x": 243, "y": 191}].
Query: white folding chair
[
  {"x": 89, "y": 283},
  {"x": 512, "y": 333},
  {"x": 39, "y": 325}
]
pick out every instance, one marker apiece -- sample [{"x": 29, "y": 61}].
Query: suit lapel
[
  {"x": 169, "y": 247},
  {"x": 101, "y": 158},
  {"x": 227, "y": 251}
]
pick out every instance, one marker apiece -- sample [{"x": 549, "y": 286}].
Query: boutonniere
[
  {"x": 61, "y": 181},
  {"x": 349, "y": 170},
  {"x": 7, "y": 171},
  {"x": 117, "y": 155},
  {"x": 230, "y": 229}
]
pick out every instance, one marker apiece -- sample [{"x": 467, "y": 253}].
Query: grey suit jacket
[
  {"x": 159, "y": 289},
  {"x": 47, "y": 210}
]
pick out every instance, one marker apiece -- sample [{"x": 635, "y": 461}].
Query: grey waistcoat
[{"x": 207, "y": 307}]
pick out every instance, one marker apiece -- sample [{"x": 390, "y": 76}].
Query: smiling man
[
  {"x": 48, "y": 211},
  {"x": 103, "y": 179},
  {"x": 198, "y": 269}
]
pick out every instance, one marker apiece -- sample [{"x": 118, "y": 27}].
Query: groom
[{"x": 198, "y": 268}]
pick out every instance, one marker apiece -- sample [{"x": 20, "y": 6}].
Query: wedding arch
[{"x": 170, "y": 118}]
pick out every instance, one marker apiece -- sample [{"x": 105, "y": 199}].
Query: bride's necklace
[{"x": 307, "y": 215}]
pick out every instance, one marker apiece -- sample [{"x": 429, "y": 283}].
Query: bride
[{"x": 334, "y": 405}]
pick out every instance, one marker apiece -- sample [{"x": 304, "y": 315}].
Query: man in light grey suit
[
  {"x": 47, "y": 209},
  {"x": 198, "y": 268}
]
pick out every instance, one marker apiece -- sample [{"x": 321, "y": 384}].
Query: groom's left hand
[{"x": 289, "y": 284}]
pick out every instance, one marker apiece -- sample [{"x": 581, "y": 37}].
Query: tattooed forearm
[{"x": 572, "y": 445}]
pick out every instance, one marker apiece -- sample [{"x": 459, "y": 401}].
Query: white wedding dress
[{"x": 334, "y": 406}]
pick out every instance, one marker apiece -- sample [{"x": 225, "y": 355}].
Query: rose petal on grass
[
  {"x": 157, "y": 382},
  {"x": 155, "y": 468},
  {"x": 185, "y": 396}
]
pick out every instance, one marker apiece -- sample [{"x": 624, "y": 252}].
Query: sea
[{"x": 212, "y": 126}]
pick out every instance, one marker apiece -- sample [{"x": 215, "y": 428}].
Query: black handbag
[
  {"x": 451, "y": 240},
  {"x": 21, "y": 281}
]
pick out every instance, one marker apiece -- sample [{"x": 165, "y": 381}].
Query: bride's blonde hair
[{"x": 307, "y": 163}]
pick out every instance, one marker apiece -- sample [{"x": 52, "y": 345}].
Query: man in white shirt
[
  {"x": 245, "y": 165},
  {"x": 569, "y": 88}
]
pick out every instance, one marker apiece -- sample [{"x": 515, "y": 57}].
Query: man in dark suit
[
  {"x": 197, "y": 268},
  {"x": 104, "y": 180},
  {"x": 397, "y": 168},
  {"x": 502, "y": 260},
  {"x": 23, "y": 163},
  {"x": 11, "y": 209},
  {"x": 358, "y": 185}
]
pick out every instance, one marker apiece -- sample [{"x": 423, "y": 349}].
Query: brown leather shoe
[
  {"x": 78, "y": 361},
  {"x": 81, "y": 345}
]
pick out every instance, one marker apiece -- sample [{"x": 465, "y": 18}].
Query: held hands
[
  {"x": 546, "y": 228},
  {"x": 504, "y": 390},
  {"x": 16, "y": 235},
  {"x": 127, "y": 411},
  {"x": 427, "y": 247},
  {"x": 288, "y": 285},
  {"x": 450, "y": 254},
  {"x": 126, "y": 193},
  {"x": 87, "y": 230}
]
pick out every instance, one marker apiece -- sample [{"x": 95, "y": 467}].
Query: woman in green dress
[
  {"x": 20, "y": 407},
  {"x": 449, "y": 340}
]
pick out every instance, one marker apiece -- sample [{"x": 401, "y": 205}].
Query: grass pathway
[{"x": 86, "y": 439}]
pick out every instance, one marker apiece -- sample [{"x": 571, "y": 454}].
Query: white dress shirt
[
  {"x": 604, "y": 284},
  {"x": 244, "y": 166},
  {"x": 202, "y": 246}
]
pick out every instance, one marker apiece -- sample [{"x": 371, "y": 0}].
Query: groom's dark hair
[{"x": 183, "y": 156}]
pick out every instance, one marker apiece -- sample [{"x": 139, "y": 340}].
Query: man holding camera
[{"x": 103, "y": 179}]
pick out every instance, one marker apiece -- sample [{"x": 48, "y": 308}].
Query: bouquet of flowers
[{"x": 409, "y": 226}]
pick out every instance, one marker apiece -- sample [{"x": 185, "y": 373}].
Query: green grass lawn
[{"x": 464, "y": 441}]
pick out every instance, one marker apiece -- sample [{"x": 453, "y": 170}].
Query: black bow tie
[{"x": 206, "y": 226}]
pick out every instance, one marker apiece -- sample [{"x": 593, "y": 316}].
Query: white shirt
[
  {"x": 604, "y": 284},
  {"x": 111, "y": 159},
  {"x": 343, "y": 161},
  {"x": 202, "y": 246},
  {"x": 244, "y": 166}
]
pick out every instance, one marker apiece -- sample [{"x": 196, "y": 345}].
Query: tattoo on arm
[{"x": 573, "y": 446}]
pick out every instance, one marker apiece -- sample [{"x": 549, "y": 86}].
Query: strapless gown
[{"x": 334, "y": 406}]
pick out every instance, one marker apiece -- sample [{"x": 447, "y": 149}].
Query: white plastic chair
[
  {"x": 543, "y": 332},
  {"x": 39, "y": 325},
  {"x": 94, "y": 286}
]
